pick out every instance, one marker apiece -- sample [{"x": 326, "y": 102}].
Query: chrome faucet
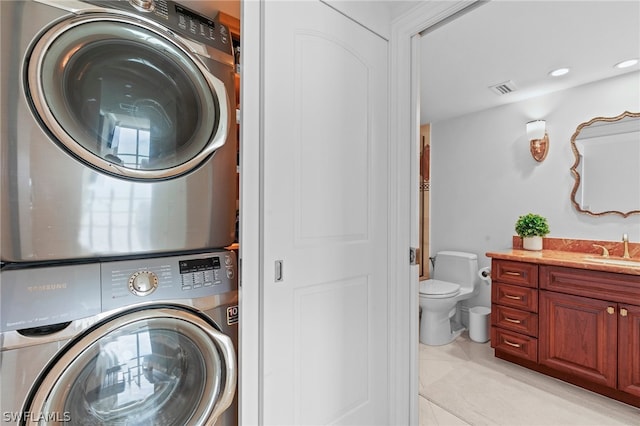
[{"x": 625, "y": 241}]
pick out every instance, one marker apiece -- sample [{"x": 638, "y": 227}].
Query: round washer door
[
  {"x": 156, "y": 366},
  {"x": 126, "y": 96}
]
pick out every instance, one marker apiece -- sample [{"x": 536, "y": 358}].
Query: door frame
[
  {"x": 405, "y": 179},
  {"x": 251, "y": 232},
  {"x": 403, "y": 214}
]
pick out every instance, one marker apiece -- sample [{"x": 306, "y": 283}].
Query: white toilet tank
[{"x": 456, "y": 267}]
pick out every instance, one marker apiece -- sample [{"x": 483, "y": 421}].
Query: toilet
[{"x": 455, "y": 278}]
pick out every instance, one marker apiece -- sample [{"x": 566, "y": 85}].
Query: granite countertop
[
  {"x": 572, "y": 259},
  {"x": 575, "y": 253}
]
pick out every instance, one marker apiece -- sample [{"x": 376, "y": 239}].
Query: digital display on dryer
[
  {"x": 199, "y": 265},
  {"x": 195, "y": 25},
  {"x": 202, "y": 29}
]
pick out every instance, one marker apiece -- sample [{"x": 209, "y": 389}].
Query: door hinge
[{"x": 414, "y": 256}]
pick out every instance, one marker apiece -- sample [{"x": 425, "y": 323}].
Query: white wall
[{"x": 483, "y": 176}]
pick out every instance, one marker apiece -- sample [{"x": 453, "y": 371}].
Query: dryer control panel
[
  {"x": 173, "y": 15},
  {"x": 127, "y": 282}
]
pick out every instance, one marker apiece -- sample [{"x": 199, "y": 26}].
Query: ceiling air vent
[{"x": 503, "y": 88}]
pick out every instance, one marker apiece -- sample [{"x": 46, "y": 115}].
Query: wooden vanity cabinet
[
  {"x": 590, "y": 328},
  {"x": 629, "y": 349},
  {"x": 578, "y": 325},
  {"x": 514, "y": 309}
]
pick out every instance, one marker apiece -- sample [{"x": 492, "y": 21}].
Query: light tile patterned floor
[{"x": 464, "y": 384}]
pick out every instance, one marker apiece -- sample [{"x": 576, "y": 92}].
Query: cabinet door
[
  {"x": 579, "y": 336},
  {"x": 629, "y": 349}
]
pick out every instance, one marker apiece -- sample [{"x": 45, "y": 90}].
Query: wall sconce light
[{"x": 539, "y": 140}]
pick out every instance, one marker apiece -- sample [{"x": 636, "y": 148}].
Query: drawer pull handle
[
  {"x": 515, "y": 321},
  {"x": 611, "y": 310},
  {"x": 516, "y": 274},
  {"x": 623, "y": 312},
  {"x": 508, "y": 296},
  {"x": 515, "y": 345}
]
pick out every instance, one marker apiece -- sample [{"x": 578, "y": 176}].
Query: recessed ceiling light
[
  {"x": 559, "y": 72},
  {"x": 627, "y": 64}
]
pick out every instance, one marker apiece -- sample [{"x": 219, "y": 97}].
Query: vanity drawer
[
  {"x": 517, "y": 273},
  {"x": 610, "y": 286},
  {"x": 515, "y": 320},
  {"x": 514, "y": 343},
  {"x": 515, "y": 296}
]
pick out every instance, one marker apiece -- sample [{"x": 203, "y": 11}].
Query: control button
[
  {"x": 143, "y": 283},
  {"x": 182, "y": 22},
  {"x": 230, "y": 273},
  {"x": 197, "y": 286},
  {"x": 227, "y": 260},
  {"x": 143, "y": 5},
  {"x": 186, "y": 287}
]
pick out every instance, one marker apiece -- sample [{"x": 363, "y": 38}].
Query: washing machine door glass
[
  {"x": 151, "y": 367},
  {"x": 126, "y": 97}
]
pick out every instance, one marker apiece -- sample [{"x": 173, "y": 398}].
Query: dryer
[
  {"x": 116, "y": 130},
  {"x": 147, "y": 342}
]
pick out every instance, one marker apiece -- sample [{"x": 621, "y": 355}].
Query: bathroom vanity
[{"x": 569, "y": 314}]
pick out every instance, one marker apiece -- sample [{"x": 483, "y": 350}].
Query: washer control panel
[
  {"x": 127, "y": 282},
  {"x": 142, "y": 283}
]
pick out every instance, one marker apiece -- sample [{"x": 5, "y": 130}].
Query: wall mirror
[{"x": 607, "y": 165}]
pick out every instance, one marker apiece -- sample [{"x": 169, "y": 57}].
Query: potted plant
[{"x": 532, "y": 227}]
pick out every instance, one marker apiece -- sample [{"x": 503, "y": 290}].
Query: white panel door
[{"x": 325, "y": 147}]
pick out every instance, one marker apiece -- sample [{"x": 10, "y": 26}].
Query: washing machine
[
  {"x": 117, "y": 133},
  {"x": 143, "y": 342}
]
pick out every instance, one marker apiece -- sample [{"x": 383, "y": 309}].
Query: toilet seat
[{"x": 436, "y": 289}]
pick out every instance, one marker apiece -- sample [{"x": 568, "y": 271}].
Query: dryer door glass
[
  {"x": 126, "y": 98},
  {"x": 152, "y": 367}
]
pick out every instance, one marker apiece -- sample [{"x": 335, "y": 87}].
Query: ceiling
[{"x": 522, "y": 41}]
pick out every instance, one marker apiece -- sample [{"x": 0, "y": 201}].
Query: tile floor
[{"x": 464, "y": 384}]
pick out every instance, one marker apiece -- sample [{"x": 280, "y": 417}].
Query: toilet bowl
[{"x": 455, "y": 278}]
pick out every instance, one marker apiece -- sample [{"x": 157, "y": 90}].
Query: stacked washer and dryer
[{"x": 118, "y": 299}]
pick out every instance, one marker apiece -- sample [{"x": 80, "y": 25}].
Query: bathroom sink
[{"x": 609, "y": 261}]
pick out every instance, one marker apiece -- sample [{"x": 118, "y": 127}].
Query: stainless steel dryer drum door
[
  {"x": 115, "y": 132},
  {"x": 125, "y": 98},
  {"x": 158, "y": 366}
]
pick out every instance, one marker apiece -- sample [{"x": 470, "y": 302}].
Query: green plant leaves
[{"x": 532, "y": 225}]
